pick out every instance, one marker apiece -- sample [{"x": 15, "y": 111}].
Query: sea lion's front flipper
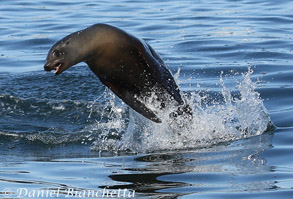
[
  {"x": 161, "y": 72},
  {"x": 129, "y": 98}
]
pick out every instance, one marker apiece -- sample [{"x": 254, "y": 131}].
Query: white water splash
[{"x": 229, "y": 119}]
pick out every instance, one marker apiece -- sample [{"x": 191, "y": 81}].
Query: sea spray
[
  {"x": 228, "y": 118},
  {"x": 233, "y": 110}
]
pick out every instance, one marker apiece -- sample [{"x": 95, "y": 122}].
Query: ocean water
[{"x": 68, "y": 136}]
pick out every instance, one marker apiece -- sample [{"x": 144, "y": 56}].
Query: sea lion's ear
[
  {"x": 132, "y": 101},
  {"x": 161, "y": 73}
]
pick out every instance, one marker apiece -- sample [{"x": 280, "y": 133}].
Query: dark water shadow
[{"x": 173, "y": 174}]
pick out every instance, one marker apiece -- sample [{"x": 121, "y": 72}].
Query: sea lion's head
[{"x": 63, "y": 54}]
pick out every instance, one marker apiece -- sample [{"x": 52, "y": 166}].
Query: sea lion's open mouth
[{"x": 57, "y": 67}]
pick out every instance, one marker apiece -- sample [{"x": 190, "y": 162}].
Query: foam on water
[{"x": 223, "y": 119}]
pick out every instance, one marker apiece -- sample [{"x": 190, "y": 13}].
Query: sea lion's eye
[{"x": 56, "y": 53}]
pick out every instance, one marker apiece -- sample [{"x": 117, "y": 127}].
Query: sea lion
[{"x": 127, "y": 65}]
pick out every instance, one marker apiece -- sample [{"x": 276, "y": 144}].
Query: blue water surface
[{"x": 68, "y": 132}]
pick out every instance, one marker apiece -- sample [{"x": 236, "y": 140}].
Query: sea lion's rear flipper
[
  {"x": 161, "y": 72},
  {"x": 129, "y": 98}
]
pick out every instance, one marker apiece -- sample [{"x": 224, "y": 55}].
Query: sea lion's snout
[
  {"x": 47, "y": 67},
  {"x": 56, "y": 65}
]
